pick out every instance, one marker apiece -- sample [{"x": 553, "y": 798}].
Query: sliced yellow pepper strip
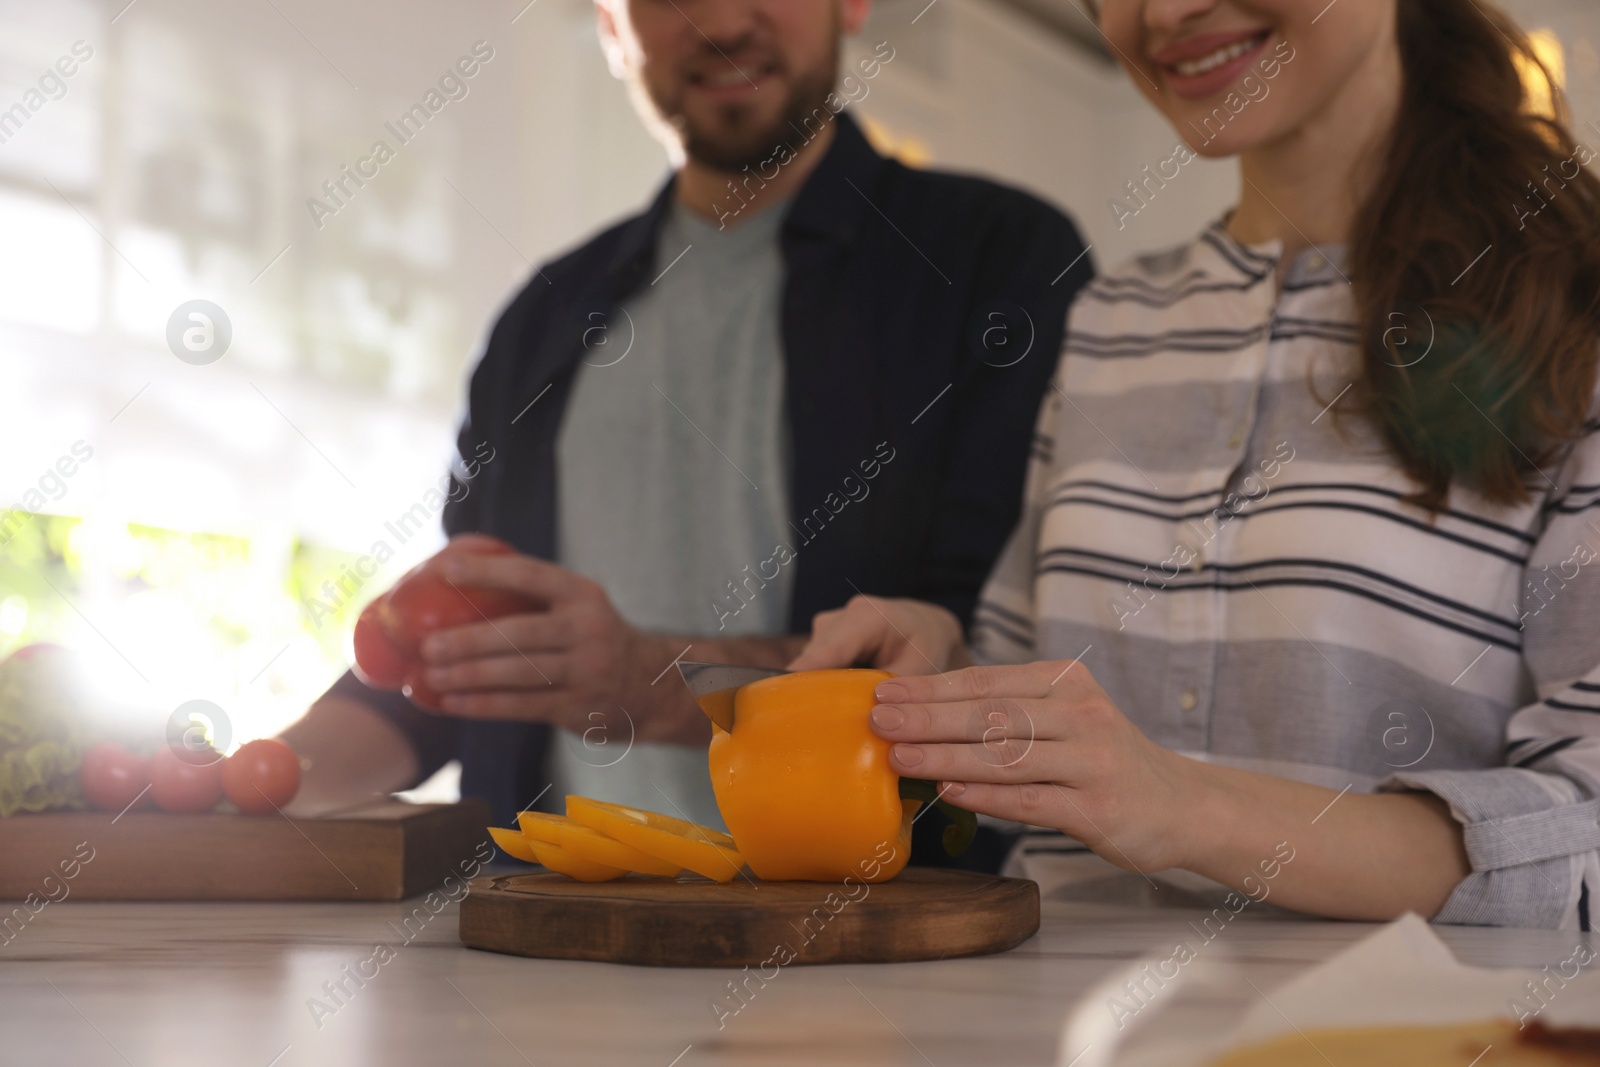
[
  {"x": 579, "y": 840},
  {"x": 539, "y": 826},
  {"x": 561, "y": 861},
  {"x": 704, "y": 851},
  {"x": 513, "y": 844}
]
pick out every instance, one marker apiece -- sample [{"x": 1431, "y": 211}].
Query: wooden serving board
[
  {"x": 924, "y": 914},
  {"x": 387, "y": 850}
]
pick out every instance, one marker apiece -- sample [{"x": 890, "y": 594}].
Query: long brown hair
[{"x": 1479, "y": 240}]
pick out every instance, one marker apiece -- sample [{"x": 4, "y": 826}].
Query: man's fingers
[
  {"x": 544, "y": 631},
  {"x": 513, "y": 671},
  {"x": 539, "y": 579}
]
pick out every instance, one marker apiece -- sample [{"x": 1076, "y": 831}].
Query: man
[{"x": 803, "y": 373}]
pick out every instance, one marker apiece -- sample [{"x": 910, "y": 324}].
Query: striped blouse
[{"x": 1237, "y": 567}]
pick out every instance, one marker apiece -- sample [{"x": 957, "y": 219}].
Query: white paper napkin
[{"x": 1402, "y": 974}]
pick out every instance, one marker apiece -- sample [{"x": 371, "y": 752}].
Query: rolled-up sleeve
[
  {"x": 1531, "y": 838},
  {"x": 1532, "y": 827}
]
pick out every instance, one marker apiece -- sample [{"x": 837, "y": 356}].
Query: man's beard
[{"x": 734, "y": 141}]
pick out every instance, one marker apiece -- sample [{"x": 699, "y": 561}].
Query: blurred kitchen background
[{"x": 186, "y": 556}]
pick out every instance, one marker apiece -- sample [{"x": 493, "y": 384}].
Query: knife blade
[{"x": 714, "y": 686}]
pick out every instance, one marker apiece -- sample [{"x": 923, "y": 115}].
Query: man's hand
[{"x": 564, "y": 665}]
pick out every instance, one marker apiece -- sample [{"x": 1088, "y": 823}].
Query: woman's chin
[{"x": 1208, "y": 143}]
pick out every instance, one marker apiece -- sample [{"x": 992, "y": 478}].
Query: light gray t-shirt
[{"x": 672, "y": 474}]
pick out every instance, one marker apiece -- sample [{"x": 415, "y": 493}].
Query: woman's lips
[{"x": 1203, "y": 66}]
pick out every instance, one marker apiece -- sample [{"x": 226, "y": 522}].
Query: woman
[{"x": 1307, "y": 565}]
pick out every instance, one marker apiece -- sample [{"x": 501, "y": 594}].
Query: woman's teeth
[{"x": 1191, "y": 67}]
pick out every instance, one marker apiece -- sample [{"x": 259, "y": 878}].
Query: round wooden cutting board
[{"x": 924, "y": 914}]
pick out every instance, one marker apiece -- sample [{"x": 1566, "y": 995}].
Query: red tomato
[
  {"x": 389, "y": 633},
  {"x": 112, "y": 777},
  {"x": 262, "y": 776},
  {"x": 426, "y": 602},
  {"x": 181, "y": 786},
  {"x": 421, "y": 693},
  {"x": 378, "y": 662}
]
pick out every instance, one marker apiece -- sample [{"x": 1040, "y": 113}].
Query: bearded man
[{"x": 804, "y": 373}]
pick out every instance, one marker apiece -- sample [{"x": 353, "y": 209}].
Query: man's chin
[{"x": 733, "y": 146}]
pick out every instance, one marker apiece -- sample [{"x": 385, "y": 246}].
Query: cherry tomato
[
  {"x": 262, "y": 776},
  {"x": 378, "y": 662},
  {"x": 112, "y": 777},
  {"x": 178, "y": 785}
]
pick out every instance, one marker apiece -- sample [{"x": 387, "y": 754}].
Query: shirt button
[
  {"x": 1199, "y": 560},
  {"x": 1237, "y": 439},
  {"x": 1189, "y": 700}
]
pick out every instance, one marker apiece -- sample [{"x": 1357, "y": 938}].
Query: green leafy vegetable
[{"x": 42, "y": 738}]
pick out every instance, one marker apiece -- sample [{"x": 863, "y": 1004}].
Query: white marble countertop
[{"x": 144, "y": 985}]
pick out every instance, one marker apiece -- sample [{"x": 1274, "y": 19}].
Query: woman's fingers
[
  {"x": 1010, "y": 760},
  {"x": 971, "y": 721},
  {"x": 903, "y": 636},
  {"x": 852, "y": 634},
  {"x": 1034, "y": 803},
  {"x": 1023, "y": 680},
  {"x": 907, "y": 659},
  {"x": 1066, "y": 809}
]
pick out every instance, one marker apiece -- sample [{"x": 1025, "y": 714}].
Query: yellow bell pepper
[{"x": 805, "y": 786}]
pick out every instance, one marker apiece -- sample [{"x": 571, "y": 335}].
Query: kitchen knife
[{"x": 714, "y": 685}]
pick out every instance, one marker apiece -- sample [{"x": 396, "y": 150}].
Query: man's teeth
[{"x": 1190, "y": 67}]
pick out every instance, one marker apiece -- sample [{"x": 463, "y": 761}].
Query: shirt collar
[
  {"x": 834, "y": 200},
  {"x": 1310, "y": 266},
  {"x": 826, "y": 206},
  {"x": 1228, "y": 256}
]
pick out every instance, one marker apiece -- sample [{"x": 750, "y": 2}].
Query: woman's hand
[
  {"x": 903, "y": 636},
  {"x": 1041, "y": 743}
]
